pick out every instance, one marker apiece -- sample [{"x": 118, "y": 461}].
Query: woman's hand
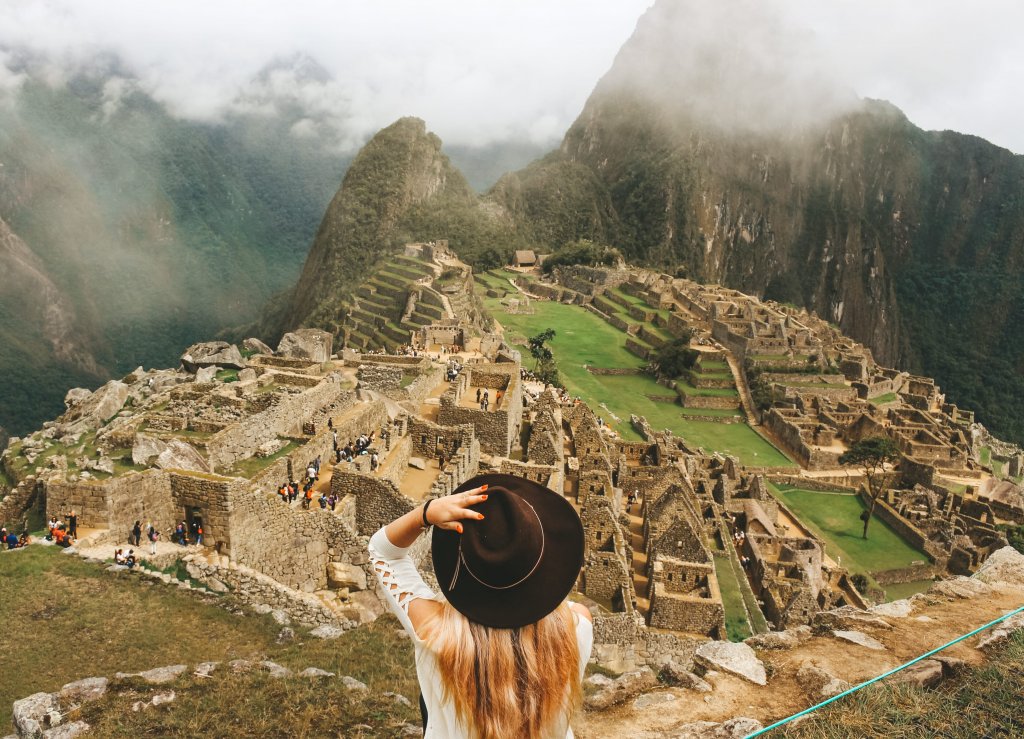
[{"x": 447, "y": 512}]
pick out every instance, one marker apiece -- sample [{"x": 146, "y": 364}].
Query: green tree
[
  {"x": 538, "y": 350},
  {"x": 871, "y": 454},
  {"x": 674, "y": 358}
]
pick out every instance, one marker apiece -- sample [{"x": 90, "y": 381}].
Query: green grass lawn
[
  {"x": 719, "y": 412},
  {"x": 737, "y": 627},
  {"x": 883, "y": 399},
  {"x": 581, "y": 339},
  {"x": 65, "y": 619},
  {"x": 836, "y": 519},
  {"x": 682, "y": 386}
]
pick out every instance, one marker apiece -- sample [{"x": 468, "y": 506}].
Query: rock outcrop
[{"x": 212, "y": 354}]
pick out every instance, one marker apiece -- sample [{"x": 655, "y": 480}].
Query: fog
[{"x": 481, "y": 73}]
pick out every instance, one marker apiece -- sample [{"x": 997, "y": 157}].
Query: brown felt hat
[{"x": 516, "y": 565}]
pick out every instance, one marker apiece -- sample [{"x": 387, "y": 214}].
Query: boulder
[
  {"x": 316, "y": 672},
  {"x": 859, "y": 638},
  {"x": 350, "y": 683},
  {"x": 212, "y": 354},
  {"x": 207, "y": 374},
  {"x": 280, "y": 617},
  {"x": 247, "y": 375},
  {"x": 736, "y": 659},
  {"x": 33, "y": 715},
  {"x": 205, "y": 669},
  {"x": 95, "y": 409},
  {"x": 75, "y": 396},
  {"x": 340, "y": 575},
  {"x": 85, "y": 690},
  {"x": 397, "y": 698},
  {"x": 622, "y": 688},
  {"x": 819, "y": 684},
  {"x": 418, "y": 463},
  {"x": 961, "y": 587},
  {"x": 306, "y": 343},
  {"x": 274, "y": 669},
  {"x": 255, "y": 345},
  {"x": 158, "y": 675},
  {"x": 170, "y": 454},
  {"x": 240, "y": 665},
  {"x": 924, "y": 674},
  {"x": 789, "y": 639},
  {"x": 1001, "y": 633},
  {"x": 849, "y": 617},
  {"x": 67, "y": 731},
  {"x": 676, "y": 674},
  {"x": 896, "y": 609},
  {"x": 1005, "y": 565},
  {"x": 327, "y": 631}
]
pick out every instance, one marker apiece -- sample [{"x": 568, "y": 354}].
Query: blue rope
[{"x": 893, "y": 671}]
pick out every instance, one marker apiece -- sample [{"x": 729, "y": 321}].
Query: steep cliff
[
  {"x": 399, "y": 187},
  {"x": 702, "y": 151}
]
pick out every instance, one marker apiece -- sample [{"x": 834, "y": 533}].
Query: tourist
[
  {"x": 181, "y": 534},
  {"x": 136, "y": 536},
  {"x": 293, "y": 491},
  {"x": 374, "y": 462},
  {"x": 440, "y": 461},
  {"x": 73, "y": 525},
  {"x": 154, "y": 536},
  {"x": 311, "y": 472},
  {"x": 199, "y": 533},
  {"x": 472, "y": 627},
  {"x": 9, "y": 538},
  {"x": 478, "y": 395},
  {"x": 129, "y": 559},
  {"x": 630, "y": 502},
  {"x": 23, "y": 540},
  {"x": 307, "y": 498},
  {"x": 322, "y": 500},
  {"x": 284, "y": 493},
  {"x": 332, "y": 501},
  {"x": 119, "y": 557}
]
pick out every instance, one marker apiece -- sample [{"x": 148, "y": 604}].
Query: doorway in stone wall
[{"x": 194, "y": 521}]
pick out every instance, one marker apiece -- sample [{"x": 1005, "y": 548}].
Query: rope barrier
[{"x": 905, "y": 665}]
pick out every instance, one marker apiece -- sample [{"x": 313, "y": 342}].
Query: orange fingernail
[
  {"x": 459, "y": 529},
  {"x": 482, "y": 488},
  {"x": 480, "y": 517},
  {"x": 484, "y": 497}
]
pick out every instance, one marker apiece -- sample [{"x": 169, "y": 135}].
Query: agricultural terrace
[
  {"x": 835, "y": 518},
  {"x": 583, "y": 339}
]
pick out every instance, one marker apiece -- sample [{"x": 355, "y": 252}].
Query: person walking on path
[
  {"x": 500, "y": 652},
  {"x": 73, "y": 525},
  {"x": 136, "y": 536},
  {"x": 154, "y": 536}
]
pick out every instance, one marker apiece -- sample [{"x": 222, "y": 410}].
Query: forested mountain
[{"x": 127, "y": 233}]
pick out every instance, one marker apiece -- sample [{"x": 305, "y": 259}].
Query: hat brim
[{"x": 542, "y": 592}]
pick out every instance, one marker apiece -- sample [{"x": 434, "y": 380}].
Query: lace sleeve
[{"x": 399, "y": 580}]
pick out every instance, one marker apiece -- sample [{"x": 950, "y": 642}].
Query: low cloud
[{"x": 480, "y": 73}]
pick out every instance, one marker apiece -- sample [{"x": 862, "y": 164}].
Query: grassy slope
[
  {"x": 835, "y": 518},
  {"x": 983, "y": 703},
  {"x": 581, "y": 338},
  {"x": 99, "y": 623}
]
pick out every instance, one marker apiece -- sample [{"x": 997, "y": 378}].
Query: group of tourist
[
  {"x": 181, "y": 534},
  {"x": 483, "y": 397},
  {"x": 11, "y": 540},
  {"x": 61, "y": 534},
  {"x": 453, "y": 369},
  {"x": 127, "y": 560},
  {"x": 351, "y": 450}
]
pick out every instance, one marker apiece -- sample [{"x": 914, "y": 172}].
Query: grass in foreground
[
  {"x": 65, "y": 619},
  {"x": 836, "y": 519},
  {"x": 983, "y": 703}
]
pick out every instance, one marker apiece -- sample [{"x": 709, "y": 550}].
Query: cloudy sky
[{"x": 480, "y": 72}]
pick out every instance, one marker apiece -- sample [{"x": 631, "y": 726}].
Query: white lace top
[{"x": 401, "y": 583}]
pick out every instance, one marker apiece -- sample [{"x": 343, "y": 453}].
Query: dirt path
[{"x": 929, "y": 626}]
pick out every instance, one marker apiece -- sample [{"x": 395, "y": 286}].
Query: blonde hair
[{"x": 521, "y": 682}]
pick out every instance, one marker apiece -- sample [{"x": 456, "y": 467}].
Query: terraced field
[
  {"x": 376, "y": 319},
  {"x": 584, "y": 342}
]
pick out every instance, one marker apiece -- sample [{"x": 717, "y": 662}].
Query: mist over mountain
[
  {"x": 715, "y": 145},
  {"x": 127, "y": 233}
]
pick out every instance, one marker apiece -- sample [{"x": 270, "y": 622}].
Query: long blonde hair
[{"x": 504, "y": 683}]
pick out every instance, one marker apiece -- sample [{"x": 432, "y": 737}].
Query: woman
[{"x": 502, "y": 654}]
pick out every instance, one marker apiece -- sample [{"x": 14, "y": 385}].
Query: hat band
[{"x": 460, "y": 562}]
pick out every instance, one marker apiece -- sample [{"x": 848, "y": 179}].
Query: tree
[
  {"x": 675, "y": 357},
  {"x": 871, "y": 455},
  {"x": 544, "y": 366},
  {"x": 538, "y": 350}
]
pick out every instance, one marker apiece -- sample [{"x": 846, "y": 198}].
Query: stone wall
[
  {"x": 496, "y": 430},
  {"x": 241, "y": 439},
  {"x": 380, "y": 377},
  {"x": 622, "y": 642},
  {"x": 116, "y": 504},
  {"x": 689, "y": 613},
  {"x": 378, "y": 502},
  {"x": 254, "y": 588}
]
